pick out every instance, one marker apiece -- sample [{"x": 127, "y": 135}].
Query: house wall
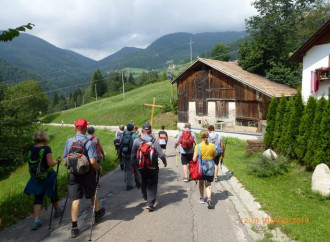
[{"x": 316, "y": 57}]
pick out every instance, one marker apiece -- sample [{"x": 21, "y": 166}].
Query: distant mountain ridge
[{"x": 62, "y": 67}]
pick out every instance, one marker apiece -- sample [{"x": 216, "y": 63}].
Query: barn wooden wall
[{"x": 201, "y": 84}]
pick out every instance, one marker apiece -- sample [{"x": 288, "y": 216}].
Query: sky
[{"x": 98, "y": 28}]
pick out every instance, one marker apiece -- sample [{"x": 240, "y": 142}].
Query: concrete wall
[
  {"x": 316, "y": 57},
  {"x": 203, "y": 121}
]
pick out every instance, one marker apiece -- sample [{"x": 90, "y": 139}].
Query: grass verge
[
  {"x": 288, "y": 198},
  {"x": 15, "y": 205}
]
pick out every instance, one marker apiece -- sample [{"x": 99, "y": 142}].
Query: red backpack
[
  {"x": 186, "y": 140},
  {"x": 195, "y": 168},
  {"x": 146, "y": 156}
]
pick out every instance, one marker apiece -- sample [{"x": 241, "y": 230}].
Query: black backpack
[
  {"x": 126, "y": 144},
  {"x": 36, "y": 167},
  {"x": 77, "y": 160}
]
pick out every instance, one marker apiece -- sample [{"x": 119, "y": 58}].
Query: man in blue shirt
[{"x": 83, "y": 184}]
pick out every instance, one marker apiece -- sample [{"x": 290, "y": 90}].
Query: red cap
[{"x": 82, "y": 123}]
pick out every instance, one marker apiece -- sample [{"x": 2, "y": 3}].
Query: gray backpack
[{"x": 77, "y": 160}]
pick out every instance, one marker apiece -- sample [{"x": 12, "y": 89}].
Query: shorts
[
  {"x": 186, "y": 158},
  {"x": 79, "y": 185},
  {"x": 163, "y": 146},
  {"x": 217, "y": 159},
  {"x": 208, "y": 178}
]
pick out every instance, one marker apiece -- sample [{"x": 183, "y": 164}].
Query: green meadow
[{"x": 116, "y": 110}]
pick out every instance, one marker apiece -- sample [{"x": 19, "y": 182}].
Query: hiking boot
[
  {"x": 201, "y": 200},
  {"x": 59, "y": 212},
  {"x": 99, "y": 214},
  {"x": 122, "y": 167},
  {"x": 74, "y": 232},
  {"x": 150, "y": 208},
  {"x": 129, "y": 188},
  {"x": 210, "y": 204},
  {"x": 185, "y": 179},
  {"x": 36, "y": 224}
]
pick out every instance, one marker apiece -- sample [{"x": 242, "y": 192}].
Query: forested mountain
[
  {"x": 173, "y": 47},
  {"x": 64, "y": 68}
]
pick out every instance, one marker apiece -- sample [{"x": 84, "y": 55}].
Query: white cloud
[{"x": 100, "y": 27}]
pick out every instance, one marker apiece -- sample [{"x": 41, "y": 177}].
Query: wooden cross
[{"x": 152, "y": 110}]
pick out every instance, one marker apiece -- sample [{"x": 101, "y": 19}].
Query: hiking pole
[
  {"x": 51, "y": 202},
  {"x": 177, "y": 164},
  {"x": 223, "y": 154},
  {"x": 93, "y": 217},
  {"x": 66, "y": 200}
]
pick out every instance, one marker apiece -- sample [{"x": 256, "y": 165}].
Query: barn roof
[
  {"x": 320, "y": 37},
  {"x": 259, "y": 83}
]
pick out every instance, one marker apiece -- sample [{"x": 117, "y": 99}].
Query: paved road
[{"x": 178, "y": 215}]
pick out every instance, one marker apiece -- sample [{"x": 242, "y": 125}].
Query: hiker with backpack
[
  {"x": 146, "y": 151},
  {"x": 162, "y": 138},
  {"x": 116, "y": 143},
  {"x": 80, "y": 158},
  {"x": 216, "y": 139},
  {"x": 206, "y": 152},
  {"x": 96, "y": 140},
  {"x": 186, "y": 140},
  {"x": 43, "y": 178},
  {"x": 126, "y": 144}
]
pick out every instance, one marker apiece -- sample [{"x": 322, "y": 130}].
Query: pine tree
[
  {"x": 285, "y": 124},
  {"x": 279, "y": 121},
  {"x": 98, "y": 83},
  {"x": 271, "y": 119},
  {"x": 322, "y": 154},
  {"x": 293, "y": 127},
  {"x": 314, "y": 139},
  {"x": 305, "y": 128}
]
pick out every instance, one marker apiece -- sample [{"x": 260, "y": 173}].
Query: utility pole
[
  {"x": 122, "y": 79},
  {"x": 95, "y": 93},
  {"x": 83, "y": 99},
  {"x": 190, "y": 43}
]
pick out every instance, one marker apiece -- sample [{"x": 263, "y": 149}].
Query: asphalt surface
[{"x": 178, "y": 215}]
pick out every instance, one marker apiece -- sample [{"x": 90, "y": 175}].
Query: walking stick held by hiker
[
  {"x": 177, "y": 164},
  {"x": 66, "y": 200},
  {"x": 51, "y": 211},
  {"x": 93, "y": 216}
]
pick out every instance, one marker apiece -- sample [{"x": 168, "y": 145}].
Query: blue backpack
[{"x": 215, "y": 141}]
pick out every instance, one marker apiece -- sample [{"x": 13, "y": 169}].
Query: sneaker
[
  {"x": 201, "y": 200},
  {"x": 185, "y": 179},
  {"x": 74, "y": 232},
  {"x": 36, "y": 224},
  {"x": 209, "y": 204},
  {"x": 150, "y": 208},
  {"x": 59, "y": 212},
  {"x": 216, "y": 179},
  {"x": 99, "y": 214}
]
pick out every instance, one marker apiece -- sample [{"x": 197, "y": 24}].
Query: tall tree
[
  {"x": 221, "y": 52},
  {"x": 274, "y": 34},
  {"x": 271, "y": 121},
  {"x": 305, "y": 128},
  {"x": 314, "y": 139},
  {"x": 98, "y": 83},
  {"x": 279, "y": 121}
]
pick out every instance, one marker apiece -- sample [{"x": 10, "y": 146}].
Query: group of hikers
[{"x": 138, "y": 153}]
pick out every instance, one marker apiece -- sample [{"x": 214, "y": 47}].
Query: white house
[{"x": 315, "y": 55}]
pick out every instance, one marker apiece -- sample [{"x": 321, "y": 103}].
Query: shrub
[
  {"x": 279, "y": 121},
  {"x": 281, "y": 144},
  {"x": 266, "y": 167}
]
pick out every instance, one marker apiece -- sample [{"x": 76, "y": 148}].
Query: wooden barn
[{"x": 216, "y": 92}]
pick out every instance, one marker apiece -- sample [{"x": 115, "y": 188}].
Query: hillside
[{"x": 115, "y": 110}]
